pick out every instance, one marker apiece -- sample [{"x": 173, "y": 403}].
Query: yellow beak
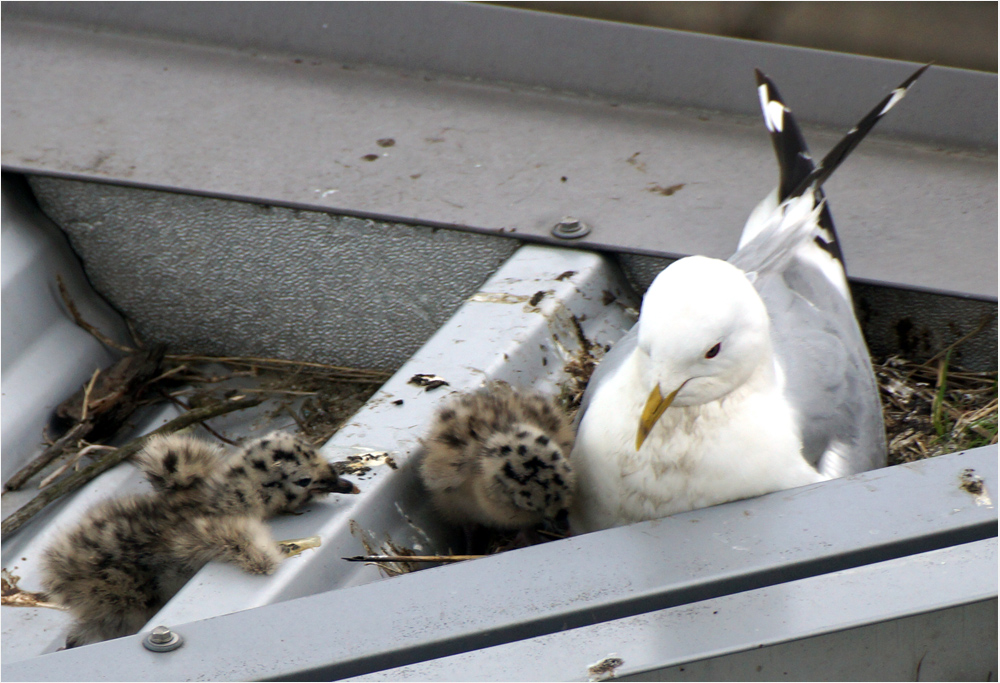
[{"x": 655, "y": 406}]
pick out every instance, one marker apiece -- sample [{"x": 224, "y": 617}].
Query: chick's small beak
[
  {"x": 344, "y": 486},
  {"x": 334, "y": 484},
  {"x": 656, "y": 404}
]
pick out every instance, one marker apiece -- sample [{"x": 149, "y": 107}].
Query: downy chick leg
[{"x": 243, "y": 541}]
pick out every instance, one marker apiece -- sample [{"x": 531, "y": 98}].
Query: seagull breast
[{"x": 695, "y": 415}]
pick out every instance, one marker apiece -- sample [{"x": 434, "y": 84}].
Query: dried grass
[{"x": 931, "y": 408}]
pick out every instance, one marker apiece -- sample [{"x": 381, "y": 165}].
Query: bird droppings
[
  {"x": 604, "y": 669},
  {"x": 567, "y": 274},
  {"x": 385, "y": 142},
  {"x": 363, "y": 463},
  {"x": 498, "y": 298},
  {"x": 12, "y": 595},
  {"x": 369, "y": 157},
  {"x": 665, "y": 191},
  {"x": 427, "y": 381},
  {"x": 398, "y": 402},
  {"x": 634, "y": 161},
  {"x": 578, "y": 369},
  {"x": 536, "y": 298},
  {"x": 973, "y": 483}
]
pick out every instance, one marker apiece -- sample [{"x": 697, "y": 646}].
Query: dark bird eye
[
  {"x": 303, "y": 482},
  {"x": 714, "y": 351}
]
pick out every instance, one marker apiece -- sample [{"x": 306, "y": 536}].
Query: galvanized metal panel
[
  {"x": 741, "y": 546},
  {"x": 930, "y": 616},
  {"x": 46, "y": 357},
  {"x": 484, "y": 155},
  {"x": 522, "y": 327},
  {"x": 616, "y": 60},
  {"x": 498, "y": 334},
  {"x": 490, "y": 156}
]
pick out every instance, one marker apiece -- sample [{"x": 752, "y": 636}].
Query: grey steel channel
[
  {"x": 500, "y": 121},
  {"x": 925, "y": 617},
  {"x": 783, "y": 537}
]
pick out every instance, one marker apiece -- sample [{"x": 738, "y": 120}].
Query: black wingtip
[
  {"x": 794, "y": 161},
  {"x": 916, "y": 74},
  {"x": 842, "y": 149}
]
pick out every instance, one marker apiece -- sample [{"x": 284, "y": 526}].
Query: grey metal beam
[
  {"x": 265, "y": 109},
  {"x": 742, "y": 546},
  {"x": 930, "y": 616},
  {"x": 504, "y": 44}
]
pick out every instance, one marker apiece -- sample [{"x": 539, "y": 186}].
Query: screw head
[
  {"x": 570, "y": 228},
  {"x": 162, "y": 639},
  {"x": 161, "y": 635}
]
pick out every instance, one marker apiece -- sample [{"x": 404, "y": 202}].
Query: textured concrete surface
[{"x": 230, "y": 278}]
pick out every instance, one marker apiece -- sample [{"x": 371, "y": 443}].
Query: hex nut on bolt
[
  {"x": 162, "y": 639},
  {"x": 570, "y": 228}
]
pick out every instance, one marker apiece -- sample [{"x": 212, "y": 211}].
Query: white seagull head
[{"x": 703, "y": 331}]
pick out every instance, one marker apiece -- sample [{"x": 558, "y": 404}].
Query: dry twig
[
  {"x": 412, "y": 558},
  {"x": 184, "y": 406},
  {"x": 78, "y": 431},
  {"x": 965, "y": 337},
  {"x": 72, "y": 461},
  {"x": 86, "y": 395},
  {"x": 76, "y": 480},
  {"x": 78, "y": 319},
  {"x": 339, "y": 372}
]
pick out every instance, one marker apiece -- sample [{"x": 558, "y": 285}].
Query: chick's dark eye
[
  {"x": 303, "y": 482},
  {"x": 714, "y": 351}
]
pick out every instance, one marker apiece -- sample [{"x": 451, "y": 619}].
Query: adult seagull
[{"x": 744, "y": 376}]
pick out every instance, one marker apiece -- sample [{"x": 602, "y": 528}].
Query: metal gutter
[
  {"x": 742, "y": 546},
  {"x": 662, "y": 154},
  {"x": 561, "y": 53},
  {"x": 787, "y": 631},
  {"x": 36, "y": 331},
  {"x": 488, "y": 110}
]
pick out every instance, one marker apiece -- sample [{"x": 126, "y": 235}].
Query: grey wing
[
  {"x": 614, "y": 358},
  {"x": 827, "y": 368}
]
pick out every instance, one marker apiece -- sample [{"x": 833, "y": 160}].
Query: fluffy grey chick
[
  {"x": 122, "y": 562},
  {"x": 499, "y": 458}
]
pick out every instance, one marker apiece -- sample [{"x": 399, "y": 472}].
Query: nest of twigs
[
  {"x": 931, "y": 408},
  {"x": 312, "y": 398},
  {"x": 315, "y": 398}
]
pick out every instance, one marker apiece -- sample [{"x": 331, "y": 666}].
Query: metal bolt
[
  {"x": 162, "y": 639},
  {"x": 161, "y": 635},
  {"x": 570, "y": 228}
]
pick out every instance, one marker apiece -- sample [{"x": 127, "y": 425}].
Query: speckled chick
[
  {"x": 127, "y": 557},
  {"x": 499, "y": 458}
]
